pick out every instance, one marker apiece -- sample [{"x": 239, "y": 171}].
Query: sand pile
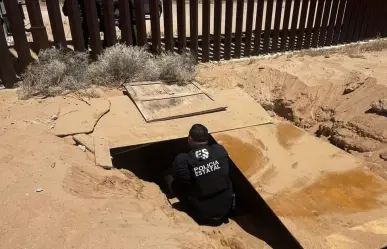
[
  {"x": 80, "y": 205},
  {"x": 338, "y": 98}
]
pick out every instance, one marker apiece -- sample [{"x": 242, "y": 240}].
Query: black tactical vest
[{"x": 209, "y": 170}]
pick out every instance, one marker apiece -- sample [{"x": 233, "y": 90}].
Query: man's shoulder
[
  {"x": 181, "y": 156},
  {"x": 219, "y": 149}
]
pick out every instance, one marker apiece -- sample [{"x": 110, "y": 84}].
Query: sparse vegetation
[
  {"x": 60, "y": 72},
  {"x": 122, "y": 64},
  {"x": 176, "y": 67},
  {"x": 56, "y": 72}
]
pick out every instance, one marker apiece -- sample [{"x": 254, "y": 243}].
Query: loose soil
[
  {"x": 83, "y": 206},
  {"x": 338, "y": 97}
]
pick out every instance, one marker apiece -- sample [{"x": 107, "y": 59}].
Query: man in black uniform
[{"x": 201, "y": 179}]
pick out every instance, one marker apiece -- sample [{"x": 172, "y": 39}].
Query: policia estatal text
[{"x": 201, "y": 179}]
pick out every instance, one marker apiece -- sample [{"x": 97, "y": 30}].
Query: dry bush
[
  {"x": 64, "y": 71},
  {"x": 120, "y": 64},
  {"x": 177, "y": 67},
  {"x": 56, "y": 72}
]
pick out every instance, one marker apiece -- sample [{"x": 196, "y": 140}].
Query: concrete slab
[
  {"x": 85, "y": 140},
  {"x": 318, "y": 191},
  {"x": 102, "y": 153},
  {"x": 124, "y": 125},
  {"x": 159, "y": 101},
  {"x": 82, "y": 119}
]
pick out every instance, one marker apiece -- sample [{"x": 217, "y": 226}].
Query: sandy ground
[
  {"x": 81, "y": 205},
  {"x": 329, "y": 95}
]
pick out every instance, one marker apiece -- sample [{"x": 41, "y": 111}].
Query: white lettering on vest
[
  {"x": 203, "y": 154},
  {"x": 208, "y": 168}
]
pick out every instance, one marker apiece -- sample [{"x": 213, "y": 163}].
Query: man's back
[{"x": 203, "y": 175}]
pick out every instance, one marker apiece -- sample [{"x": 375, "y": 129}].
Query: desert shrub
[
  {"x": 56, "y": 72},
  {"x": 64, "y": 71},
  {"x": 120, "y": 64},
  {"x": 177, "y": 67}
]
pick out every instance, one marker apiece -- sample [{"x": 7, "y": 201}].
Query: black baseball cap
[{"x": 199, "y": 133}]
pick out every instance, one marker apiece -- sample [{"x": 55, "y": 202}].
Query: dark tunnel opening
[{"x": 149, "y": 162}]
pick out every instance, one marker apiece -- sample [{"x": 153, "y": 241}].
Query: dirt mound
[
  {"x": 342, "y": 103},
  {"x": 380, "y": 106},
  {"x": 83, "y": 182},
  {"x": 82, "y": 205}
]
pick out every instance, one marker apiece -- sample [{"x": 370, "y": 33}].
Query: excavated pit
[{"x": 149, "y": 162}]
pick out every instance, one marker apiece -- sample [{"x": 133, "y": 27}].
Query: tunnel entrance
[{"x": 149, "y": 162}]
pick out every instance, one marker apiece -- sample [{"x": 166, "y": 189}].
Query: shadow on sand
[{"x": 149, "y": 162}]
